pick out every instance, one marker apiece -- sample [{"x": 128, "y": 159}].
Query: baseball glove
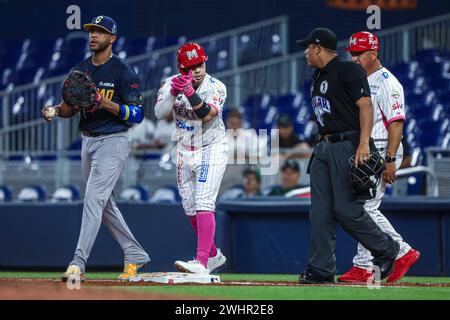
[
  {"x": 80, "y": 91},
  {"x": 366, "y": 177}
]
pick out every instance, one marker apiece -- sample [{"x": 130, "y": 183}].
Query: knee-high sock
[
  {"x": 206, "y": 227},
  {"x": 193, "y": 221}
]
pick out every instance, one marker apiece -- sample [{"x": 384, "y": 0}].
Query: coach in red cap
[{"x": 389, "y": 115}]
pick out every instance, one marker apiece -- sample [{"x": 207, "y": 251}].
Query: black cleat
[{"x": 312, "y": 277}]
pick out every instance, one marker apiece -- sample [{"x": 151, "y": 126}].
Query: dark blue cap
[{"x": 103, "y": 22}]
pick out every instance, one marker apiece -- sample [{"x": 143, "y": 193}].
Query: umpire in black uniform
[{"x": 340, "y": 96}]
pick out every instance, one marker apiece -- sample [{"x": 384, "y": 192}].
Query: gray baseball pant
[
  {"x": 332, "y": 201},
  {"x": 103, "y": 159}
]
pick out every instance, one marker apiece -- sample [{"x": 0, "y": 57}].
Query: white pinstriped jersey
[
  {"x": 191, "y": 131},
  {"x": 389, "y": 103}
]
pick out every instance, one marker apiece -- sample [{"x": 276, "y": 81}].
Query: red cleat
[
  {"x": 402, "y": 265},
  {"x": 355, "y": 274}
]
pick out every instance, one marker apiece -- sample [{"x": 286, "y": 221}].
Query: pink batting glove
[
  {"x": 175, "y": 87},
  {"x": 184, "y": 84}
]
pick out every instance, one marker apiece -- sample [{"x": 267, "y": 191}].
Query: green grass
[{"x": 276, "y": 292}]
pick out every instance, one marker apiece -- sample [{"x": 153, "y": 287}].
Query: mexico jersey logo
[{"x": 320, "y": 106}]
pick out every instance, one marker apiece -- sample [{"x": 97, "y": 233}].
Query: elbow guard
[{"x": 131, "y": 113}]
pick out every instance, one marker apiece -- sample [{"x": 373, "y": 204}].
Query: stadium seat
[
  {"x": 66, "y": 194},
  {"x": 34, "y": 193},
  {"x": 5, "y": 193},
  {"x": 290, "y": 103},
  {"x": 417, "y": 184},
  {"x": 431, "y": 131},
  {"x": 255, "y": 106},
  {"x": 135, "y": 193},
  {"x": 276, "y": 45},
  {"x": 428, "y": 55},
  {"x": 166, "y": 194},
  {"x": 440, "y": 85},
  {"x": 265, "y": 191},
  {"x": 245, "y": 50},
  {"x": 444, "y": 140}
]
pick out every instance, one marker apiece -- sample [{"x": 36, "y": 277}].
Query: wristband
[
  {"x": 131, "y": 113},
  {"x": 203, "y": 111},
  {"x": 194, "y": 100}
]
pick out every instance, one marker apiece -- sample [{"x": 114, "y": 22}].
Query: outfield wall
[{"x": 257, "y": 236}]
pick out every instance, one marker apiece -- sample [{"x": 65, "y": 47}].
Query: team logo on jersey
[
  {"x": 324, "y": 87},
  {"x": 184, "y": 125},
  {"x": 106, "y": 84},
  {"x": 395, "y": 95},
  {"x": 192, "y": 54},
  {"x": 385, "y": 75},
  {"x": 397, "y": 106},
  {"x": 320, "y": 106},
  {"x": 204, "y": 165}
]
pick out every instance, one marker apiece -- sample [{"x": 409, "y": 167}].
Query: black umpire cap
[
  {"x": 320, "y": 36},
  {"x": 104, "y": 22}
]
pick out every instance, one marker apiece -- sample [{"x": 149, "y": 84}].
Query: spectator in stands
[
  {"x": 163, "y": 132},
  {"x": 243, "y": 144},
  {"x": 251, "y": 182},
  {"x": 290, "y": 177},
  {"x": 148, "y": 136},
  {"x": 290, "y": 140},
  {"x": 142, "y": 134}
]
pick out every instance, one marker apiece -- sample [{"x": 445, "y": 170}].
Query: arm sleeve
[
  {"x": 355, "y": 82},
  {"x": 217, "y": 96},
  {"x": 130, "y": 89},
  {"x": 165, "y": 100},
  {"x": 392, "y": 101}
]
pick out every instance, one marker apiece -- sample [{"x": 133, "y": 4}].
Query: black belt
[
  {"x": 98, "y": 134},
  {"x": 92, "y": 134},
  {"x": 339, "y": 136}
]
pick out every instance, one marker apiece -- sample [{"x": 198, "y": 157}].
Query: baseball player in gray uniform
[
  {"x": 389, "y": 115},
  {"x": 196, "y": 101},
  {"x": 105, "y": 147}
]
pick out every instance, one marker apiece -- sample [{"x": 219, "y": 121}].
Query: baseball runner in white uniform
[
  {"x": 196, "y": 101},
  {"x": 389, "y": 116}
]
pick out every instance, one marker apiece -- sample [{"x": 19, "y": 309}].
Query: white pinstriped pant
[
  {"x": 363, "y": 258},
  {"x": 199, "y": 175}
]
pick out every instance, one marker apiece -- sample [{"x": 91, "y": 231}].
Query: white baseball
[{"x": 50, "y": 112}]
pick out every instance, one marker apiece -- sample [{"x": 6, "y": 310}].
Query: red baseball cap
[
  {"x": 363, "y": 41},
  {"x": 190, "y": 54}
]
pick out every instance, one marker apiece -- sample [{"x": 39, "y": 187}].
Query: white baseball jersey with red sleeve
[
  {"x": 389, "y": 103},
  {"x": 191, "y": 131}
]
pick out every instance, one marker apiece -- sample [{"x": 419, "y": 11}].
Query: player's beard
[{"x": 101, "y": 46}]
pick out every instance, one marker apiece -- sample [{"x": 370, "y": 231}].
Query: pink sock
[
  {"x": 193, "y": 221},
  {"x": 206, "y": 227}
]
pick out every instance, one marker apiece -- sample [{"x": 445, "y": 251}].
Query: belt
[
  {"x": 98, "y": 134},
  {"x": 92, "y": 134},
  {"x": 339, "y": 136}
]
